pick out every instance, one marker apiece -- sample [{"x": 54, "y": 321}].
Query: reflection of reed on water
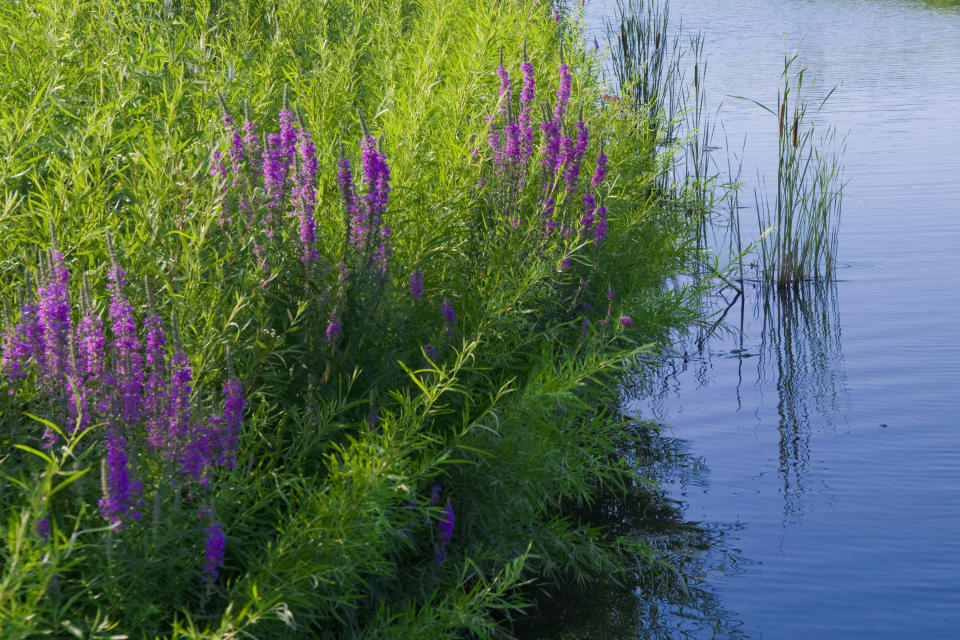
[{"x": 801, "y": 353}]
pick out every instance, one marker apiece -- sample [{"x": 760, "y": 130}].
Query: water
[{"x": 830, "y": 431}]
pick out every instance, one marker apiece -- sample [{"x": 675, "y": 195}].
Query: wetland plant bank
[{"x": 315, "y": 315}]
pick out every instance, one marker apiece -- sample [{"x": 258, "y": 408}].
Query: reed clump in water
[{"x": 804, "y": 218}]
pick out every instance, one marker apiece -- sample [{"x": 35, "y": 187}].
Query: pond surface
[{"x": 829, "y": 427}]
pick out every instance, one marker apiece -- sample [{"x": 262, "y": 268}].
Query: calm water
[{"x": 830, "y": 430}]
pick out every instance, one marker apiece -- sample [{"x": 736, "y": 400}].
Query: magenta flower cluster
[
  {"x": 266, "y": 186},
  {"x": 563, "y": 148},
  {"x": 123, "y": 376},
  {"x": 367, "y": 233}
]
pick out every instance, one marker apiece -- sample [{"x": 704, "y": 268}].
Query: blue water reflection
[{"x": 830, "y": 422}]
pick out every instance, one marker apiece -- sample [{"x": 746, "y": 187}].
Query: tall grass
[
  {"x": 660, "y": 71},
  {"x": 423, "y": 412},
  {"x": 805, "y": 215}
]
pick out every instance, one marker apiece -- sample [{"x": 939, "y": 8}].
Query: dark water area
[{"x": 826, "y": 428}]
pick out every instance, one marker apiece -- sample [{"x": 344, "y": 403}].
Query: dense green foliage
[{"x": 109, "y": 115}]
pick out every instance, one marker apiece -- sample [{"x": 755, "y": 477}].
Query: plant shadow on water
[
  {"x": 671, "y": 600},
  {"x": 786, "y": 341},
  {"x": 801, "y": 349}
]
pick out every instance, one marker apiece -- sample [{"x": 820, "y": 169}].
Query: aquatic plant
[{"x": 804, "y": 215}]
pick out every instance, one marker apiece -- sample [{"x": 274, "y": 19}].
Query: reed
[
  {"x": 660, "y": 73},
  {"x": 803, "y": 218}
]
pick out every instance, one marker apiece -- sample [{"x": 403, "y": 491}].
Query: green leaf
[{"x": 35, "y": 452}]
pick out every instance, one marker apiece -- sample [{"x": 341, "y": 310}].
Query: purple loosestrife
[
  {"x": 155, "y": 390},
  {"x": 237, "y": 154},
  {"x": 551, "y": 160},
  {"x": 121, "y": 493},
  {"x": 601, "y": 172},
  {"x": 590, "y": 206},
  {"x": 251, "y": 141},
  {"x": 416, "y": 285},
  {"x": 600, "y": 231},
  {"x": 575, "y": 156},
  {"x": 626, "y": 321},
  {"x": 91, "y": 348},
  {"x": 513, "y": 150},
  {"x": 21, "y": 341},
  {"x": 333, "y": 328},
  {"x": 54, "y": 316},
  {"x": 305, "y": 197},
  {"x": 179, "y": 431},
  {"x": 42, "y": 527},
  {"x": 376, "y": 176},
  {"x": 430, "y": 352},
  {"x": 127, "y": 358},
  {"x": 213, "y": 552},
  {"x": 288, "y": 136},
  {"x": 274, "y": 173},
  {"x": 445, "y": 532},
  {"x": 233, "y": 404},
  {"x": 449, "y": 316},
  {"x": 563, "y": 92},
  {"x": 367, "y": 229}
]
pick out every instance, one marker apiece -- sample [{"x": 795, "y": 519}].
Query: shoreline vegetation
[{"x": 315, "y": 315}]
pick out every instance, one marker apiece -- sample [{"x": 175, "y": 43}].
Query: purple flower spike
[
  {"x": 576, "y": 155},
  {"x": 179, "y": 429},
  {"x": 445, "y": 532},
  {"x": 288, "y": 136},
  {"x": 126, "y": 350},
  {"x": 54, "y": 317},
  {"x": 233, "y": 403},
  {"x": 449, "y": 317},
  {"x": 551, "y": 143},
  {"x": 600, "y": 231},
  {"x": 42, "y": 528},
  {"x": 563, "y": 92},
  {"x": 601, "y": 173},
  {"x": 21, "y": 342},
  {"x": 215, "y": 546},
  {"x": 590, "y": 206},
  {"x": 251, "y": 141},
  {"x": 91, "y": 348},
  {"x": 274, "y": 168},
  {"x": 430, "y": 352},
  {"x": 121, "y": 491},
  {"x": 305, "y": 197},
  {"x": 416, "y": 285},
  {"x": 626, "y": 321},
  {"x": 333, "y": 328},
  {"x": 376, "y": 176}
]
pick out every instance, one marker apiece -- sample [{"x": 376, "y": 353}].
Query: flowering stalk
[
  {"x": 416, "y": 285},
  {"x": 121, "y": 495}
]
